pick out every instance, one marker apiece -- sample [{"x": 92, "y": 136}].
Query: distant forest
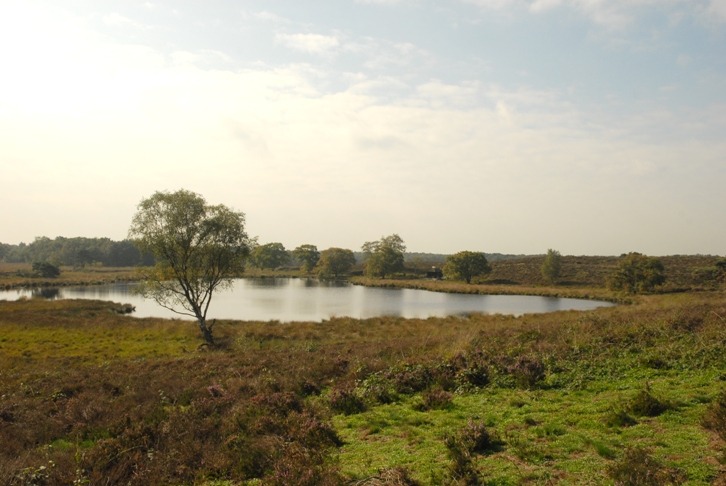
[
  {"x": 76, "y": 252},
  {"x": 80, "y": 252}
]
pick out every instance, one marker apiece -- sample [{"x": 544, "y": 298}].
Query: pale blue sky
[{"x": 513, "y": 126}]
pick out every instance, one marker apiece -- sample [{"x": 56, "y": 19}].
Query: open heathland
[
  {"x": 89, "y": 396},
  {"x": 631, "y": 394}
]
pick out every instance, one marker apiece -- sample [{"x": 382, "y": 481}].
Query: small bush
[
  {"x": 411, "y": 378},
  {"x": 346, "y": 401},
  {"x": 638, "y": 468},
  {"x": 378, "y": 389},
  {"x": 462, "y": 467},
  {"x": 619, "y": 418},
  {"x": 434, "y": 399},
  {"x": 46, "y": 270},
  {"x": 528, "y": 371},
  {"x": 476, "y": 375},
  {"x": 644, "y": 404},
  {"x": 477, "y": 438},
  {"x": 473, "y": 438}
]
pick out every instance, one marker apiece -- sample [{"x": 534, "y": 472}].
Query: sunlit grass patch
[{"x": 544, "y": 434}]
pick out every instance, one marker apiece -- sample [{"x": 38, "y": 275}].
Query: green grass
[{"x": 547, "y": 434}]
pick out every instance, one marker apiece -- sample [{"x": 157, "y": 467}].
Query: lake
[{"x": 293, "y": 299}]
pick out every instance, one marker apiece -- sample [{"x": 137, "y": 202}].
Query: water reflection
[
  {"x": 49, "y": 293},
  {"x": 285, "y": 299}
]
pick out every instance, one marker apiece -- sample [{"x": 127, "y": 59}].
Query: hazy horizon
[{"x": 502, "y": 126}]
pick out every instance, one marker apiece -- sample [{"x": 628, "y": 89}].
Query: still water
[{"x": 292, "y": 299}]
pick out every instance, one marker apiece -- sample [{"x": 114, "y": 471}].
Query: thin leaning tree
[{"x": 198, "y": 248}]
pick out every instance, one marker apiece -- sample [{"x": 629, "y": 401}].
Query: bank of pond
[{"x": 300, "y": 299}]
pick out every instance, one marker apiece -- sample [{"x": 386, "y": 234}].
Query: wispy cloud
[
  {"x": 331, "y": 122},
  {"x": 309, "y": 43}
]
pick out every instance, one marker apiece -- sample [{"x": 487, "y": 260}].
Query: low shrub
[
  {"x": 638, "y": 468},
  {"x": 434, "y": 399},
  {"x": 378, "y": 389},
  {"x": 528, "y": 371},
  {"x": 345, "y": 400},
  {"x": 619, "y": 418},
  {"x": 474, "y": 438},
  {"x": 411, "y": 378},
  {"x": 476, "y": 375},
  {"x": 645, "y": 404}
]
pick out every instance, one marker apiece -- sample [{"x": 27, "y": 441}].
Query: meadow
[{"x": 632, "y": 394}]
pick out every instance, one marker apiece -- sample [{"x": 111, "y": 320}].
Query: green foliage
[
  {"x": 711, "y": 276},
  {"x": 307, "y": 256},
  {"x": 466, "y": 265},
  {"x": 197, "y": 246},
  {"x": 552, "y": 266},
  {"x": 335, "y": 262},
  {"x": 637, "y": 273},
  {"x": 45, "y": 269},
  {"x": 269, "y": 255},
  {"x": 385, "y": 256},
  {"x": 76, "y": 252}
]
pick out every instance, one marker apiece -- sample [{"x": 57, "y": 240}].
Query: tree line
[{"x": 76, "y": 252}]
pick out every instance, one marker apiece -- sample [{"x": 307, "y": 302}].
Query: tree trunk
[{"x": 206, "y": 331}]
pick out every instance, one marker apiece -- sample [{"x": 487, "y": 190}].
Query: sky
[{"x": 593, "y": 127}]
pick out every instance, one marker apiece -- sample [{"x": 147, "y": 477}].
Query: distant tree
[
  {"x": 335, "y": 262},
  {"x": 198, "y": 248},
  {"x": 46, "y": 270},
  {"x": 17, "y": 253},
  {"x": 466, "y": 265},
  {"x": 552, "y": 266},
  {"x": 270, "y": 255},
  {"x": 124, "y": 254},
  {"x": 385, "y": 256},
  {"x": 307, "y": 256},
  {"x": 637, "y": 273}
]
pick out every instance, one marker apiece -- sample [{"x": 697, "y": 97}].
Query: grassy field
[
  {"x": 14, "y": 275},
  {"x": 632, "y": 394}
]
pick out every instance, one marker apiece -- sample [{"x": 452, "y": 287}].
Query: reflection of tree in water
[
  {"x": 312, "y": 282},
  {"x": 46, "y": 293},
  {"x": 268, "y": 282}
]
